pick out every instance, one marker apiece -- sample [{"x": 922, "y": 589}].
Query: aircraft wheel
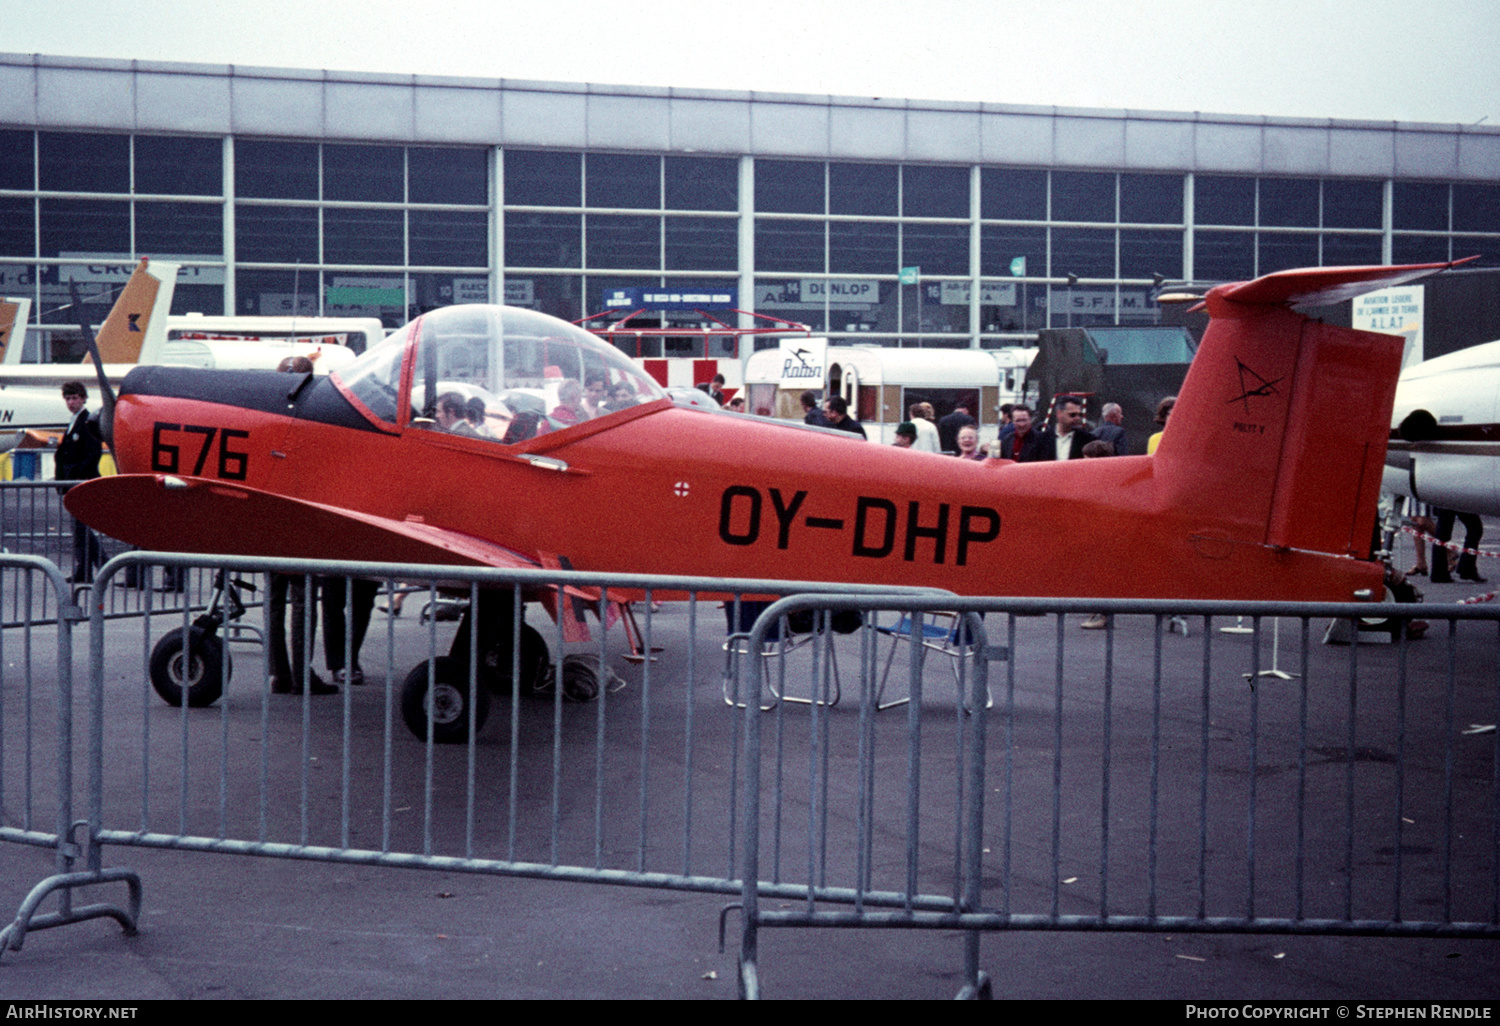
[
  {"x": 200, "y": 669},
  {"x": 445, "y": 705}
]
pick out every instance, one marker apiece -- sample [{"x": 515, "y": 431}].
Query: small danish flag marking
[{"x": 680, "y": 489}]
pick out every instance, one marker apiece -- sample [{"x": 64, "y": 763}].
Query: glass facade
[{"x": 888, "y": 253}]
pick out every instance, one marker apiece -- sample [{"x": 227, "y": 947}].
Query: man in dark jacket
[
  {"x": 77, "y": 459},
  {"x": 1066, "y": 438},
  {"x": 837, "y": 410}
]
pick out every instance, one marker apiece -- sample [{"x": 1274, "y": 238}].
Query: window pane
[
  {"x": 430, "y": 291},
  {"x": 1349, "y": 204},
  {"x": 786, "y": 297},
  {"x": 1419, "y": 249},
  {"x": 1476, "y": 208},
  {"x": 702, "y": 183},
  {"x": 1222, "y": 200},
  {"x": 934, "y": 191},
  {"x": 173, "y": 165},
  {"x": 702, "y": 244},
  {"x": 1080, "y": 306},
  {"x": 789, "y": 245},
  {"x": 1000, "y": 248},
  {"x": 1015, "y": 307},
  {"x": 1471, "y": 245},
  {"x": 624, "y": 180},
  {"x": 363, "y": 236},
  {"x": 1290, "y": 202},
  {"x": 534, "y": 178},
  {"x": 936, "y": 248},
  {"x": 277, "y": 293},
  {"x": 1083, "y": 196},
  {"x": 1339, "y": 250},
  {"x": 17, "y": 226},
  {"x": 856, "y": 247},
  {"x": 366, "y": 295},
  {"x": 789, "y": 186},
  {"x": 1223, "y": 256},
  {"x": 275, "y": 170},
  {"x": 1012, "y": 194},
  {"x": 276, "y": 234},
  {"x": 76, "y": 162},
  {"x": 179, "y": 229},
  {"x": 1151, "y": 199},
  {"x": 624, "y": 241},
  {"x": 448, "y": 175},
  {"x": 543, "y": 240},
  {"x": 17, "y": 155},
  {"x": 1422, "y": 206},
  {"x": 560, "y": 295},
  {"x": 940, "y": 309},
  {"x": 862, "y": 188},
  {"x": 454, "y": 238},
  {"x": 365, "y": 174},
  {"x": 1144, "y": 253},
  {"x": 1086, "y": 252},
  {"x": 85, "y": 226},
  {"x": 1279, "y": 252},
  {"x": 192, "y": 298}
]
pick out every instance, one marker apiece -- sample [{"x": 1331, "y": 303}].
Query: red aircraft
[{"x": 1264, "y": 487}]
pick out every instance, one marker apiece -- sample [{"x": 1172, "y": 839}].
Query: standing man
[
  {"x": 1021, "y": 442},
  {"x": 77, "y": 459},
  {"x": 1066, "y": 439},
  {"x": 811, "y": 415},
  {"x": 1112, "y": 427},
  {"x": 836, "y": 409},
  {"x": 949, "y": 426}
]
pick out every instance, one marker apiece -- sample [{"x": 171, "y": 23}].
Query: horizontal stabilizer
[{"x": 1322, "y": 286}]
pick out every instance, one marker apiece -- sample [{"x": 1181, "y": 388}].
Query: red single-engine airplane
[{"x": 1264, "y": 487}]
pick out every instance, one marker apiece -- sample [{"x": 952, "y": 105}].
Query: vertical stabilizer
[
  {"x": 1278, "y": 435},
  {"x": 14, "y": 314},
  {"x": 136, "y": 329}
]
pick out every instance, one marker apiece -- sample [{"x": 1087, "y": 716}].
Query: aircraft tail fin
[
  {"x": 14, "y": 314},
  {"x": 1281, "y": 425},
  {"x": 136, "y": 329}
]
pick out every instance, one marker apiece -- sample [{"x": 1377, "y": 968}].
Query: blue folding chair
[{"x": 939, "y": 632}]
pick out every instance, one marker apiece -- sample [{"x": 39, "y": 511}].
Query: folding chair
[
  {"x": 774, "y": 648},
  {"x": 940, "y": 632}
]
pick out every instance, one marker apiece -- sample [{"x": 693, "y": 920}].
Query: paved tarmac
[{"x": 230, "y": 926}]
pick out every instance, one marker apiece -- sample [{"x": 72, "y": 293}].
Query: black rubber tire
[
  {"x": 450, "y": 701},
  {"x": 205, "y": 674}
]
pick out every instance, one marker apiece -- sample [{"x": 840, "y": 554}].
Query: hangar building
[{"x": 345, "y": 193}]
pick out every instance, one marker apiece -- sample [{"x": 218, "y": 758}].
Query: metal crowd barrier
[
  {"x": 852, "y": 758},
  {"x": 364, "y": 776},
  {"x": 36, "y": 779},
  {"x": 1354, "y": 791}
]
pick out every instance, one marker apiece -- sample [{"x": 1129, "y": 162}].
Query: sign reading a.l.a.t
[{"x": 671, "y": 297}]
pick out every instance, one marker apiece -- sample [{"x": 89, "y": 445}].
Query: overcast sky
[{"x": 1435, "y": 60}]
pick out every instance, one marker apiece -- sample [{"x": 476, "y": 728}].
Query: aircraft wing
[
  {"x": 1323, "y": 286},
  {"x": 149, "y": 510}
]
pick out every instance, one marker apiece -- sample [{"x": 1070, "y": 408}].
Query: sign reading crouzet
[{"x": 803, "y": 362}]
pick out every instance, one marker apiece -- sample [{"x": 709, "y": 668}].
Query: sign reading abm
[{"x": 690, "y": 297}]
